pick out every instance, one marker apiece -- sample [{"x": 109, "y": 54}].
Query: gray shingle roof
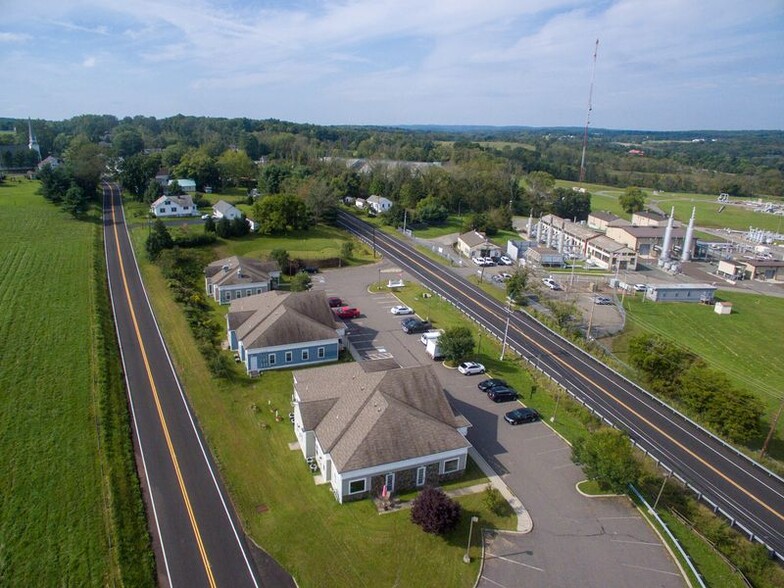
[
  {"x": 379, "y": 417},
  {"x": 473, "y": 238},
  {"x": 240, "y": 270},
  {"x": 282, "y": 318},
  {"x": 224, "y": 207}
]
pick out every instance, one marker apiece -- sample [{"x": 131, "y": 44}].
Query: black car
[
  {"x": 486, "y": 385},
  {"x": 414, "y": 325},
  {"x": 502, "y": 394},
  {"x": 521, "y": 415}
]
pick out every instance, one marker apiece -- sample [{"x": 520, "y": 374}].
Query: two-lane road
[
  {"x": 740, "y": 488},
  {"x": 197, "y": 539}
]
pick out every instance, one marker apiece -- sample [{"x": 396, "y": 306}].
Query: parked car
[
  {"x": 401, "y": 309},
  {"x": 505, "y": 260},
  {"x": 414, "y": 325},
  {"x": 489, "y": 261},
  {"x": 347, "y": 312},
  {"x": 602, "y": 300},
  {"x": 521, "y": 415},
  {"x": 471, "y": 368},
  {"x": 641, "y": 287},
  {"x": 486, "y": 385},
  {"x": 205, "y": 216},
  {"x": 551, "y": 283},
  {"x": 335, "y": 302},
  {"x": 502, "y": 394},
  {"x": 311, "y": 269},
  {"x": 478, "y": 260}
]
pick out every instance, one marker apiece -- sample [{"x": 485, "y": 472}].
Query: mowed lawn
[
  {"x": 710, "y": 212},
  {"x": 746, "y": 345},
  {"x": 321, "y": 542},
  {"x": 53, "y": 530}
]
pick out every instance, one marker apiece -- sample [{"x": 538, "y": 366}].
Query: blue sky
[{"x": 662, "y": 65}]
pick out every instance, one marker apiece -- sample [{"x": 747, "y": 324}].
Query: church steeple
[{"x": 32, "y": 142}]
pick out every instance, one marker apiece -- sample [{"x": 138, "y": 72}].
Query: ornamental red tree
[{"x": 435, "y": 512}]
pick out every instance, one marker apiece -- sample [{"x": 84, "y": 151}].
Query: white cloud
[
  {"x": 14, "y": 37},
  {"x": 89, "y": 62}
]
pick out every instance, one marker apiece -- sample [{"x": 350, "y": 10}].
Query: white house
[
  {"x": 370, "y": 430},
  {"x": 475, "y": 244},
  {"x": 186, "y": 185},
  {"x": 360, "y": 203},
  {"x": 379, "y": 204},
  {"x": 239, "y": 277},
  {"x": 167, "y": 206},
  {"x": 223, "y": 209}
]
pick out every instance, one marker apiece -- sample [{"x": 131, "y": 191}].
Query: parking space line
[
  {"x": 616, "y": 518},
  {"x": 651, "y": 544},
  {"x": 519, "y": 563},
  {"x": 486, "y": 579}
]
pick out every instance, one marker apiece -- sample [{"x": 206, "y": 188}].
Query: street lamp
[{"x": 467, "y": 556}]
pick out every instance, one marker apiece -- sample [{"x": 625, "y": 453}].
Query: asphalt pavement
[
  {"x": 576, "y": 541},
  {"x": 747, "y": 494},
  {"x": 196, "y": 534}
]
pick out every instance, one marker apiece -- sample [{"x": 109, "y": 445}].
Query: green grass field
[
  {"x": 319, "y": 541},
  {"x": 746, "y": 345},
  {"x": 70, "y": 509},
  {"x": 708, "y": 215}
]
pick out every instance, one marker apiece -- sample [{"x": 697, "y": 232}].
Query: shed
[
  {"x": 723, "y": 308},
  {"x": 681, "y": 293},
  {"x": 544, "y": 256}
]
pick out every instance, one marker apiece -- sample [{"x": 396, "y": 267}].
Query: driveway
[{"x": 575, "y": 541}]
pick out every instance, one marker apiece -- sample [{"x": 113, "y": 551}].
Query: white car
[
  {"x": 506, "y": 260},
  {"x": 551, "y": 283},
  {"x": 471, "y": 368},
  {"x": 401, "y": 309},
  {"x": 640, "y": 287},
  {"x": 478, "y": 260},
  {"x": 205, "y": 216}
]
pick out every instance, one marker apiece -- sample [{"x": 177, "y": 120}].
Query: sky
[{"x": 661, "y": 64}]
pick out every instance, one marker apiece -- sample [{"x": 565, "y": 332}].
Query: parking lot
[{"x": 575, "y": 541}]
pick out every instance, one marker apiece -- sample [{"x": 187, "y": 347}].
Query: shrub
[{"x": 435, "y": 512}]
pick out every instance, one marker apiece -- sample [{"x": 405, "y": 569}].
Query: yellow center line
[
  {"x": 159, "y": 408},
  {"x": 603, "y": 390}
]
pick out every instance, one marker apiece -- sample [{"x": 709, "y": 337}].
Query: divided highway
[
  {"x": 196, "y": 536},
  {"x": 743, "y": 491}
]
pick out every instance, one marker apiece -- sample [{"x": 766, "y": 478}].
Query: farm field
[
  {"x": 746, "y": 345},
  {"x": 58, "y": 486},
  {"x": 319, "y": 541},
  {"x": 734, "y": 217}
]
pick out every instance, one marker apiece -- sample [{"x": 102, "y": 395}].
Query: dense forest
[{"x": 491, "y": 172}]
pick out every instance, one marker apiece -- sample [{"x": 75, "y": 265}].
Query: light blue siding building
[{"x": 275, "y": 330}]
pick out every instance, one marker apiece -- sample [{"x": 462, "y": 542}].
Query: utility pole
[
  {"x": 772, "y": 430},
  {"x": 506, "y": 329},
  {"x": 588, "y": 117}
]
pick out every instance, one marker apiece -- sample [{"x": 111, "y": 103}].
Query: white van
[{"x": 428, "y": 335}]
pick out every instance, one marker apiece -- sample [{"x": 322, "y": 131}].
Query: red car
[
  {"x": 334, "y": 302},
  {"x": 347, "y": 312}
]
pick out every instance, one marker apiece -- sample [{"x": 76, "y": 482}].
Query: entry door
[{"x": 389, "y": 480}]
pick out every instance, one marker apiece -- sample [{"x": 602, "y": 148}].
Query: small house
[
  {"x": 186, "y": 185},
  {"x": 223, "y": 209},
  {"x": 379, "y": 204},
  {"x": 239, "y": 277},
  {"x": 173, "y": 206},
  {"x": 475, "y": 244}
]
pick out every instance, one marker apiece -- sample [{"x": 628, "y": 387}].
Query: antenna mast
[{"x": 588, "y": 117}]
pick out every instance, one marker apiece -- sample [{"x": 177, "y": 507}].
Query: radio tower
[{"x": 588, "y": 117}]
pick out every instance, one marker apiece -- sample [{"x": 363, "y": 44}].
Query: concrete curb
[{"x": 524, "y": 522}]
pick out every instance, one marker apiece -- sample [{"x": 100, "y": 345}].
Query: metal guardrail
[
  {"x": 669, "y": 534},
  {"x": 531, "y": 359}
]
